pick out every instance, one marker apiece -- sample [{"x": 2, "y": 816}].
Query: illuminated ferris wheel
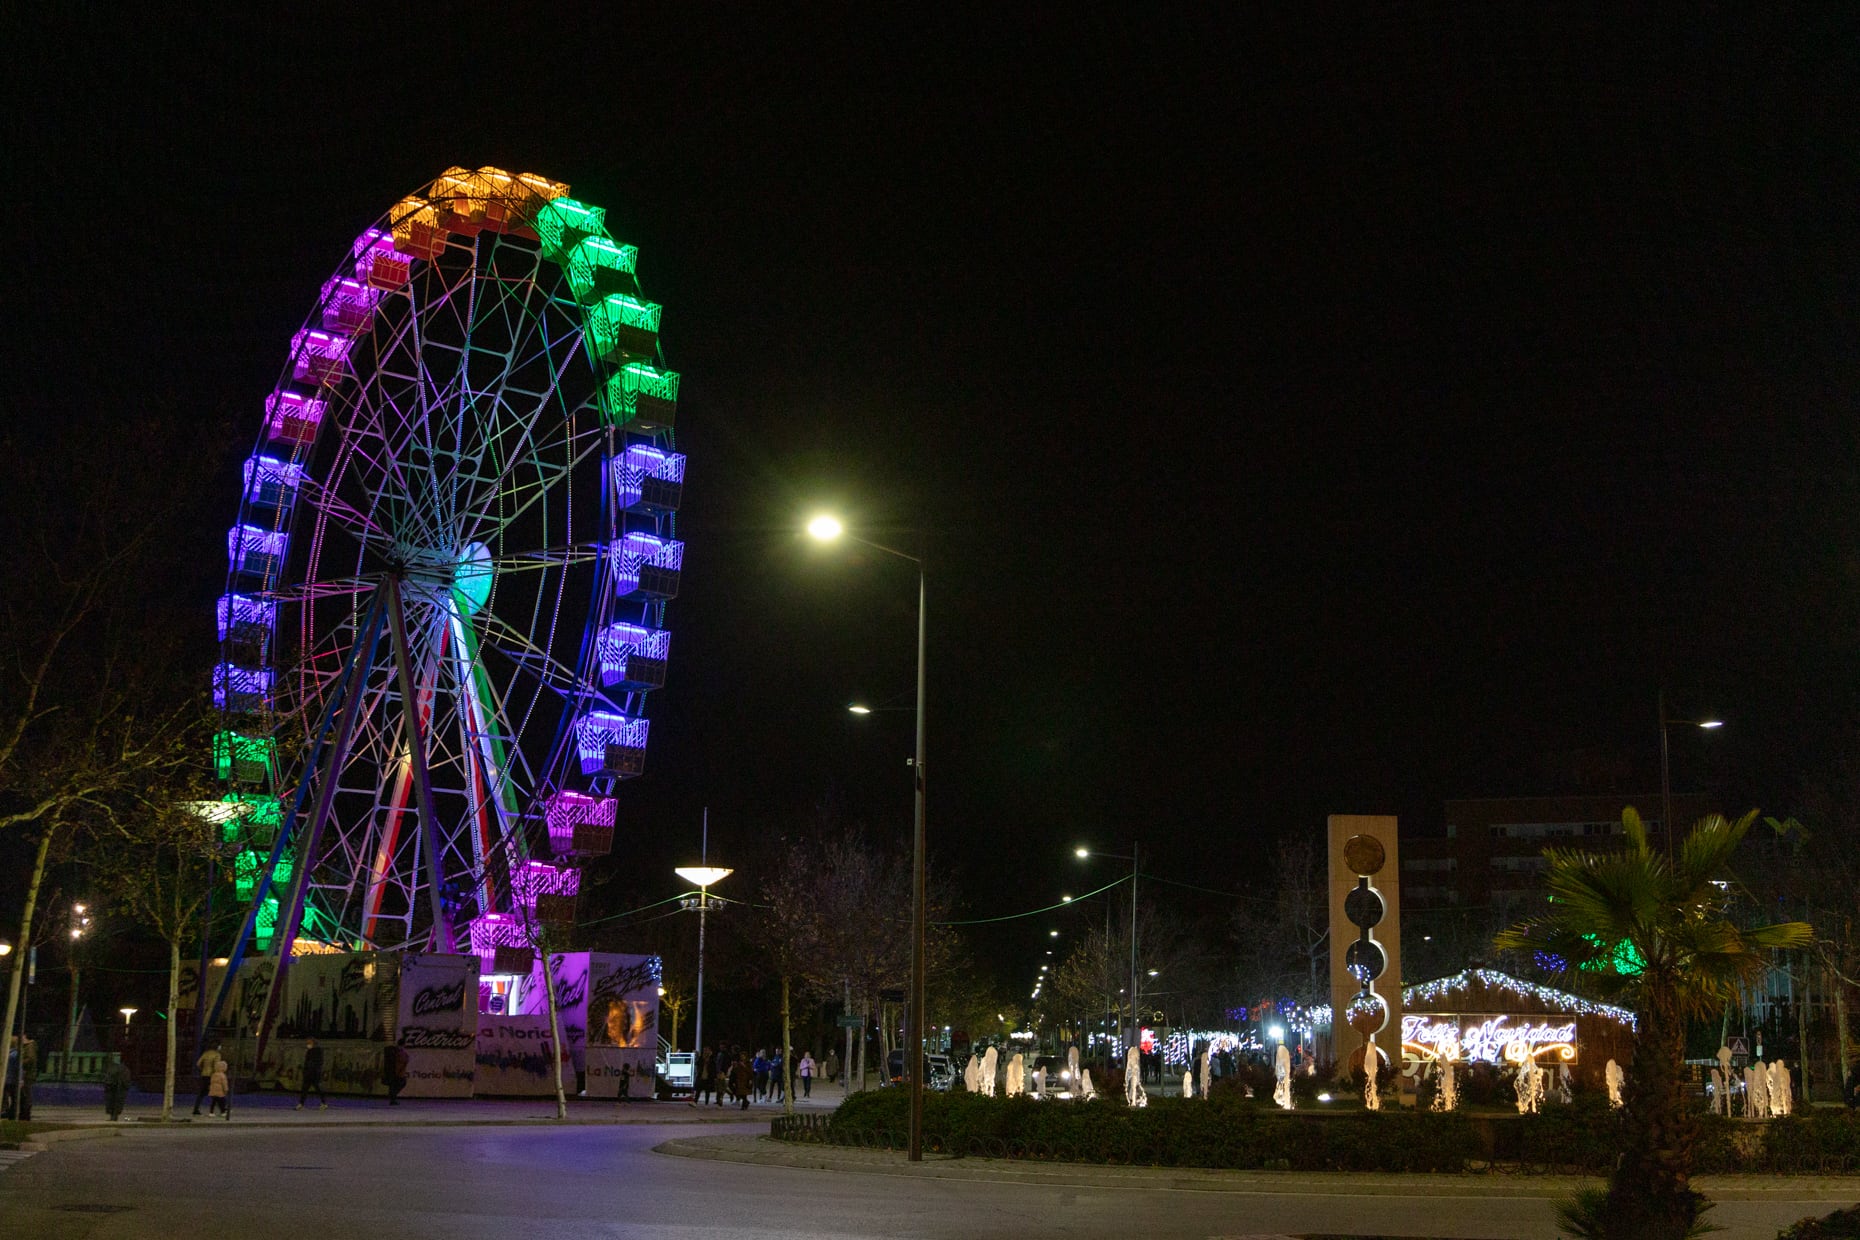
[{"x": 446, "y": 589}]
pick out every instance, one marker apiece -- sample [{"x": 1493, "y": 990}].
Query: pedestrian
[
  {"x": 9, "y": 1080},
  {"x": 28, "y": 1075},
  {"x": 394, "y": 1064},
  {"x": 722, "y": 1066},
  {"x": 626, "y": 1081},
  {"x": 209, "y": 1058},
  {"x": 217, "y": 1088},
  {"x": 115, "y": 1087},
  {"x": 759, "y": 1070},
  {"x": 832, "y": 1065},
  {"x": 312, "y": 1076},
  {"x": 805, "y": 1069},
  {"x": 742, "y": 1079},
  {"x": 778, "y": 1079},
  {"x": 701, "y": 1083}
]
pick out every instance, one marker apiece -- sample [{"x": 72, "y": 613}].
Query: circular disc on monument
[
  {"x": 1364, "y": 907},
  {"x": 1367, "y": 1013},
  {"x": 1365, "y": 960},
  {"x": 1364, "y": 855}
]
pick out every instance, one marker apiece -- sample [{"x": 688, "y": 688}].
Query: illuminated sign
[{"x": 1488, "y": 1039}]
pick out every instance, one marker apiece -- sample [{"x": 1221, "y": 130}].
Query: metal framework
[{"x": 448, "y": 578}]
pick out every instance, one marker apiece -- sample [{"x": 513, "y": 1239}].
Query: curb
[{"x": 767, "y": 1152}]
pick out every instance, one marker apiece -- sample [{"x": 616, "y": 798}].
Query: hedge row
[
  {"x": 1169, "y": 1132},
  {"x": 1238, "y": 1133}
]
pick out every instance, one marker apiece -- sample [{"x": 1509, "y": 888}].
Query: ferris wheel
[{"x": 446, "y": 588}]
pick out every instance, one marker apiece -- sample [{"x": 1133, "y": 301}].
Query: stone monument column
[{"x": 1368, "y": 840}]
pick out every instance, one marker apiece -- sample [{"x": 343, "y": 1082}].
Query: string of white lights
[{"x": 1318, "y": 1017}]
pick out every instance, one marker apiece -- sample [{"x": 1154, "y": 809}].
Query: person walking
[
  {"x": 805, "y": 1070},
  {"x": 702, "y": 1077},
  {"x": 394, "y": 1064},
  {"x": 217, "y": 1089},
  {"x": 116, "y": 1082},
  {"x": 742, "y": 1079},
  {"x": 759, "y": 1072},
  {"x": 209, "y": 1059},
  {"x": 778, "y": 1078},
  {"x": 312, "y": 1076},
  {"x": 832, "y": 1064}
]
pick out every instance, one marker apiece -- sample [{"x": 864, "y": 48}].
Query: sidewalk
[
  {"x": 766, "y": 1152},
  {"x": 82, "y": 1106}
]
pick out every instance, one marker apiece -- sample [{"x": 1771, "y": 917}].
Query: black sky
[{"x": 1317, "y": 415}]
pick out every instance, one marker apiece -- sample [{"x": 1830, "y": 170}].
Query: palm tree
[{"x": 1671, "y": 912}]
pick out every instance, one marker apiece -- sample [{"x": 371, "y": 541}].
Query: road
[{"x": 203, "y": 1182}]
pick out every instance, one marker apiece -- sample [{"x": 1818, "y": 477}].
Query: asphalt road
[{"x": 464, "y": 1183}]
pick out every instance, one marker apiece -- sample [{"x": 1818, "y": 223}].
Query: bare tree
[
  {"x": 152, "y": 865},
  {"x": 87, "y": 715},
  {"x": 790, "y": 934},
  {"x": 1284, "y": 938}
]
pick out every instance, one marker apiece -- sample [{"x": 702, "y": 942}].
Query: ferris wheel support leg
[
  {"x": 291, "y": 913},
  {"x": 286, "y": 831},
  {"x": 443, "y": 939}
]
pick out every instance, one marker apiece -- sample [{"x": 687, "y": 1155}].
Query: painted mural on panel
[
  {"x": 623, "y": 1025},
  {"x": 623, "y": 1001},
  {"x": 438, "y": 1022},
  {"x": 571, "y": 999},
  {"x": 338, "y": 996},
  {"x": 515, "y": 1056}
]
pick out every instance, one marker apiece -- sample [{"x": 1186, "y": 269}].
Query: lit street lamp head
[
  {"x": 825, "y": 528},
  {"x": 702, "y": 875},
  {"x": 1711, "y": 723},
  {"x": 1081, "y": 853},
  {"x": 857, "y": 709}
]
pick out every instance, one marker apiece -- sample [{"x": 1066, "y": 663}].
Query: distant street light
[
  {"x": 827, "y": 528},
  {"x": 857, "y": 709},
  {"x": 127, "y": 1013}
]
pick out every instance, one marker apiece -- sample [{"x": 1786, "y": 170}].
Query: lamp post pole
[
  {"x": 1666, "y": 775},
  {"x": 1083, "y": 853},
  {"x": 702, "y": 876},
  {"x": 1136, "y": 1034},
  {"x": 828, "y": 529},
  {"x": 1666, "y": 780},
  {"x": 914, "y": 1031}
]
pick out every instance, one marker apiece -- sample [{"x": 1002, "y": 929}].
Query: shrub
[{"x": 1840, "y": 1225}]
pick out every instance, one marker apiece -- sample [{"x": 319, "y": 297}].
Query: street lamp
[
  {"x": 1666, "y": 776},
  {"x": 127, "y": 1013},
  {"x": 1082, "y": 853},
  {"x": 703, "y": 876},
  {"x": 825, "y": 528}
]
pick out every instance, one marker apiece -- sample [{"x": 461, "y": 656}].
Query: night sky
[{"x": 1337, "y": 415}]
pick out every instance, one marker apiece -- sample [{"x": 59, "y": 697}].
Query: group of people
[{"x": 744, "y": 1077}]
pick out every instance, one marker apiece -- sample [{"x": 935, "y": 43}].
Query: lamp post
[
  {"x": 1666, "y": 777},
  {"x": 1082, "y": 853},
  {"x": 830, "y": 529},
  {"x": 79, "y": 925},
  {"x": 702, "y": 876}
]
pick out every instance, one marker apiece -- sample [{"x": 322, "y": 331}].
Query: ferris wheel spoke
[
  {"x": 550, "y": 671},
  {"x": 492, "y": 523}
]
